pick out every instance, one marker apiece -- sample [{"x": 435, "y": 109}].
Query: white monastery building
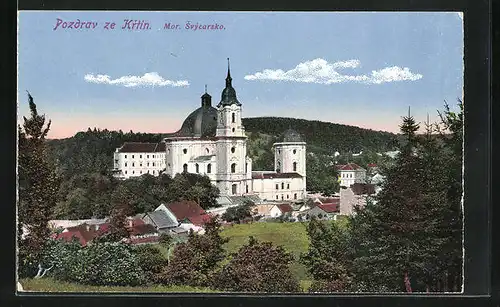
[{"x": 212, "y": 141}]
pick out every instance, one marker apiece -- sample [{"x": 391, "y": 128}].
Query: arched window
[
  {"x": 233, "y": 149},
  {"x": 233, "y": 130},
  {"x": 294, "y": 151},
  {"x": 233, "y": 189},
  {"x": 278, "y": 167},
  {"x": 209, "y": 168},
  {"x": 185, "y": 151},
  {"x": 125, "y": 164},
  {"x": 125, "y": 172},
  {"x": 133, "y": 164},
  {"x": 246, "y": 168},
  {"x": 207, "y": 150},
  {"x": 233, "y": 117},
  {"x": 197, "y": 168},
  {"x": 233, "y": 168},
  {"x": 247, "y": 188},
  {"x": 295, "y": 196},
  {"x": 282, "y": 185},
  {"x": 185, "y": 168},
  {"x": 294, "y": 166}
]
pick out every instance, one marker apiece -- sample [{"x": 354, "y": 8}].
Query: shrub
[{"x": 258, "y": 267}]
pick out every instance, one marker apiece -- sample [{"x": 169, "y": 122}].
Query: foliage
[
  {"x": 151, "y": 261},
  {"x": 99, "y": 263},
  {"x": 193, "y": 262},
  {"x": 329, "y": 256},
  {"x": 237, "y": 214},
  {"x": 258, "y": 267},
  {"x": 38, "y": 185}
]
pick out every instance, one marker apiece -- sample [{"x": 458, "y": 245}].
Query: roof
[
  {"x": 223, "y": 201},
  {"x": 84, "y": 232},
  {"x": 185, "y": 209},
  {"x": 330, "y": 207},
  {"x": 372, "y": 165},
  {"x": 161, "y": 219},
  {"x": 142, "y": 147},
  {"x": 262, "y": 175},
  {"x": 142, "y": 229},
  {"x": 228, "y": 96},
  {"x": 202, "y": 122},
  {"x": 325, "y": 200},
  {"x": 285, "y": 208},
  {"x": 363, "y": 188},
  {"x": 199, "y": 220},
  {"x": 349, "y": 167},
  {"x": 202, "y": 158},
  {"x": 292, "y": 136}
]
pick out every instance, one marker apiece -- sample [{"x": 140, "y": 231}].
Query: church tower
[
  {"x": 290, "y": 154},
  {"x": 232, "y": 164}
]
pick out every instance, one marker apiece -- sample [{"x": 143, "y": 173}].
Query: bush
[
  {"x": 258, "y": 267},
  {"x": 106, "y": 263},
  {"x": 151, "y": 261}
]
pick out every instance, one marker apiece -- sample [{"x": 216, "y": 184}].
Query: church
[{"x": 212, "y": 142}]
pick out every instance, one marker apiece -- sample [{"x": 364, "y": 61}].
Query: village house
[
  {"x": 280, "y": 209},
  {"x": 322, "y": 211},
  {"x": 354, "y": 196},
  {"x": 84, "y": 233},
  {"x": 351, "y": 173},
  {"x": 140, "y": 232}
]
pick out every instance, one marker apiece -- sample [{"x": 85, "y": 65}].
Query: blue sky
[{"x": 361, "y": 69}]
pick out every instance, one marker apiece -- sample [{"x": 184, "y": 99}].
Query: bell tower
[{"x": 231, "y": 143}]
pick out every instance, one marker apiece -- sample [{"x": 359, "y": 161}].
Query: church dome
[
  {"x": 292, "y": 136},
  {"x": 202, "y": 122}
]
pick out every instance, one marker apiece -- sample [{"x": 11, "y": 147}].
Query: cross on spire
[{"x": 205, "y": 88}]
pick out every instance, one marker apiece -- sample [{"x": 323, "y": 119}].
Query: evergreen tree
[
  {"x": 398, "y": 228},
  {"x": 38, "y": 185}
]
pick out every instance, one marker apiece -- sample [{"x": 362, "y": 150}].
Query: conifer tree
[
  {"x": 394, "y": 235},
  {"x": 38, "y": 185}
]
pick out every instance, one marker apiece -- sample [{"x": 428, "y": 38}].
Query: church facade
[{"x": 212, "y": 142}]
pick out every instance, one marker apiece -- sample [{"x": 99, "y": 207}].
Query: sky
[{"x": 356, "y": 68}]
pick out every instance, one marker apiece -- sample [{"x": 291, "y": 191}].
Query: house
[
  {"x": 141, "y": 233},
  {"x": 162, "y": 220},
  {"x": 322, "y": 211},
  {"x": 280, "y": 209},
  {"x": 188, "y": 211},
  {"x": 262, "y": 209},
  {"x": 85, "y": 233},
  {"x": 351, "y": 173},
  {"x": 63, "y": 224},
  {"x": 354, "y": 196}
]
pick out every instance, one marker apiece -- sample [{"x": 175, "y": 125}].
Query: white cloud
[
  {"x": 321, "y": 72},
  {"x": 148, "y": 79}
]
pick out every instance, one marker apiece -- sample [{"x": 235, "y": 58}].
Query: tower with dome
[{"x": 212, "y": 142}]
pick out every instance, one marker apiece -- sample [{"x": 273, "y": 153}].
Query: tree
[
  {"x": 237, "y": 214},
  {"x": 258, "y": 267},
  {"x": 328, "y": 258},
  {"x": 38, "y": 186},
  {"x": 151, "y": 262},
  {"x": 194, "y": 262},
  {"x": 399, "y": 228}
]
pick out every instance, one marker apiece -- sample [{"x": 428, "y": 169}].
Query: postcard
[{"x": 240, "y": 152}]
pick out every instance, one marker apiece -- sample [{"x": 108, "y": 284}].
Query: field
[{"x": 292, "y": 236}]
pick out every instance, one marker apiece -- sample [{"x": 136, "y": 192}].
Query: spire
[
  {"x": 228, "y": 78},
  {"x": 409, "y": 111},
  {"x": 206, "y": 89},
  {"x": 206, "y": 99}
]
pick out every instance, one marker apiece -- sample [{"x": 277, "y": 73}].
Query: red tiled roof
[
  {"x": 199, "y": 220},
  {"x": 363, "y": 188},
  {"x": 84, "y": 232},
  {"x": 372, "y": 165},
  {"x": 143, "y": 147},
  {"x": 185, "y": 209},
  {"x": 142, "y": 229},
  {"x": 329, "y": 207},
  {"x": 348, "y": 167},
  {"x": 275, "y": 175},
  {"x": 328, "y": 200},
  {"x": 285, "y": 208}
]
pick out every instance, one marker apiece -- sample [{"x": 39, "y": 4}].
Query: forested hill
[
  {"x": 92, "y": 151},
  {"x": 325, "y": 136}
]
